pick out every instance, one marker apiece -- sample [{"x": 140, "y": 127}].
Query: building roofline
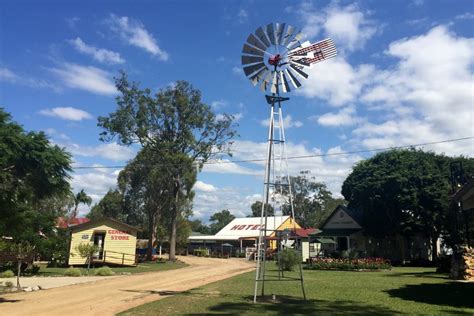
[{"x": 101, "y": 220}]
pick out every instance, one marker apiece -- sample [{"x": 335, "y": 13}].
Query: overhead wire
[{"x": 345, "y": 153}]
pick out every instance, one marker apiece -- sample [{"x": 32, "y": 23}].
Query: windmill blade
[
  {"x": 255, "y": 79},
  {"x": 295, "y": 41},
  {"x": 288, "y": 35},
  {"x": 250, "y": 50},
  {"x": 253, "y": 68},
  {"x": 255, "y": 42},
  {"x": 293, "y": 79},
  {"x": 262, "y": 36},
  {"x": 251, "y": 59},
  {"x": 285, "y": 86},
  {"x": 299, "y": 71},
  {"x": 266, "y": 80},
  {"x": 271, "y": 33},
  {"x": 324, "y": 46},
  {"x": 280, "y": 27},
  {"x": 274, "y": 83},
  {"x": 301, "y": 61}
]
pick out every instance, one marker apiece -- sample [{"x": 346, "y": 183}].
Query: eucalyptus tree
[{"x": 176, "y": 124}]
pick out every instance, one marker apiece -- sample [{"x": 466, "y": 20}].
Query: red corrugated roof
[
  {"x": 64, "y": 222},
  {"x": 304, "y": 232}
]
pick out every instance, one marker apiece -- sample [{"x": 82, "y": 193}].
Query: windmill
[{"x": 275, "y": 60}]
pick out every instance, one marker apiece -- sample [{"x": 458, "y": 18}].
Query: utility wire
[{"x": 305, "y": 156}]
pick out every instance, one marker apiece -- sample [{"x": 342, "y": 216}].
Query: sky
[{"x": 403, "y": 76}]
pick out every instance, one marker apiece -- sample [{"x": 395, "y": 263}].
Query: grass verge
[
  {"x": 409, "y": 291},
  {"x": 141, "y": 268}
]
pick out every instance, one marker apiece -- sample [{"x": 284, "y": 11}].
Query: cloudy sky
[{"x": 403, "y": 76}]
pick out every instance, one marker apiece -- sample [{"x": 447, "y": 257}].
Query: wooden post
[{"x": 123, "y": 257}]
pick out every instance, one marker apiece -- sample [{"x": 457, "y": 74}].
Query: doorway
[{"x": 99, "y": 239}]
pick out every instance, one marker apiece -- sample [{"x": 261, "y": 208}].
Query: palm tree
[{"x": 80, "y": 197}]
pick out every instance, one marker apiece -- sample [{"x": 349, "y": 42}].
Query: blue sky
[{"x": 403, "y": 76}]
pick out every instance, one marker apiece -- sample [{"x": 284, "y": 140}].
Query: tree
[
  {"x": 312, "y": 201},
  {"x": 80, "y": 198},
  {"x": 87, "y": 250},
  {"x": 22, "y": 252},
  {"x": 257, "y": 209},
  {"x": 32, "y": 170},
  {"x": 111, "y": 205},
  {"x": 220, "y": 220},
  {"x": 198, "y": 226},
  {"x": 174, "y": 123},
  {"x": 401, "y": 192}
]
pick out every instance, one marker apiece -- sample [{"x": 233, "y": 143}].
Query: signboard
[{"x": 119, "y": 234}]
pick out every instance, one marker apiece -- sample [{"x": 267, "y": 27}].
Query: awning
[{"x": 324, "y": 240}]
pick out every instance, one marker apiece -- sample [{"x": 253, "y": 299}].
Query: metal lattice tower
[{"x": 274, "y": 58}]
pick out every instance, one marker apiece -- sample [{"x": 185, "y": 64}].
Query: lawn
[
  {"x": 409, "y": 291},
  {"x": 142, "y": 267}
]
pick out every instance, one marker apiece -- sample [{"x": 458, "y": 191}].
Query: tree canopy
[
  {"x": 402, "y": 192},
  {"x": 174, "y": 127},
  {"x": 32, "y": 170},
  {"x": 219, "y": 220},
  {"x": 256, "y": 209}
]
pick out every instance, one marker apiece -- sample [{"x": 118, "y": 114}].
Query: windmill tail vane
[{"x": 275, "y": 60}]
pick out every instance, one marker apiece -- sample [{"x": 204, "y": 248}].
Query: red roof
[
  {"x": 304, "y": 232},
  {"x": 64, "y": 222}
]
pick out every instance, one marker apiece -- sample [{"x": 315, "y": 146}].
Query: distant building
[
  {"x": 242, "y": 233},
  {"x": 116, "y": 241}
]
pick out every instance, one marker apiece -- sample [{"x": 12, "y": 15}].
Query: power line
[{"x": 306, "y": 156}]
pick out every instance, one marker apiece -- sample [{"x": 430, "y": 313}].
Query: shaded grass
[
  {"x": 141, "y": 268},
  {"x": 409, "y": 291}
]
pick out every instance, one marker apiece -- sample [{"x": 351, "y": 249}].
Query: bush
[
  {"x": 74, "y": 272},
  {"x": 201, "y": 252},
  {"x": 34, "y": 269},
  {"x": 7, "y": 274},
  {"x": 9, "y": 284},
  {"x": 104, "y": 271},
  {"x": 288, "y": 258}
]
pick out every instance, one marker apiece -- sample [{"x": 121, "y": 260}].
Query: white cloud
[
  {"x": 344, "y": 117},
  {"x": 242, "y": 16},
  {"x": 111, "y": 151},
  {"x": 288, "y": 122},
  {"x": 204, "y": 187},
  {"x": 86, "y": 78},
  {"x": 67, "y": 113},
  {"x": 336, "y": 81},
  {"x": 134, "y": 33},
  {"x": 7, "y": 75},
  {"x": 99, "y": 54},
  {"x": 237, "y": 116},
  {"x": 219, "y": 104},
  {"x": 427, "y": 96},
  {"x": 237, "y": 71},
  {"x": 348, "y": 26},
  {"x": 465, "y": 16}
]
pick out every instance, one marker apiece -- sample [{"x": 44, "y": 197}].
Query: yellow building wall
[
  {"x": 288, "y": 224},
  {"x": 116, "y": 243}
]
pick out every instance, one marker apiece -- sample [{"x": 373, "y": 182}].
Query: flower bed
[{"x": 349, "y": 264}]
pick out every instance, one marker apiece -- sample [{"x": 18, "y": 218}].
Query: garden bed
[{"x": 368, "y": 264}]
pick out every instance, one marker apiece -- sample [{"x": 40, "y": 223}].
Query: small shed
[{"x": 116, "y": 242}]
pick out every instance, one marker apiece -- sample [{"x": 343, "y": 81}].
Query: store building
[{"x": 116, "y": 242}]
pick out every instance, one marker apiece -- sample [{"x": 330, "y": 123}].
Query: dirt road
[{"x": 110, "y": 296}]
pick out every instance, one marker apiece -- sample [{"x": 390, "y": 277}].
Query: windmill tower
[{"x": 274, "y": 59}]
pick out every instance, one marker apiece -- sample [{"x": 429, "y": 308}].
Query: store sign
[{"x": 119, "y": 234}]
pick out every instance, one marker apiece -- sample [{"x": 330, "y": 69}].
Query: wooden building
[{"x": 116, "y": 241}]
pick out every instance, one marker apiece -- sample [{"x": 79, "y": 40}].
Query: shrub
[
  {"x": 104, "y": 271},
  {"x": 7, "y": 274},
  {"x": 74, "y": 272},
  {"x": 34, "y": 269},
  {"x": 201, "y": 252},
  {"x": 288, "y": 258},
  {"x": 9, "y": 284}
]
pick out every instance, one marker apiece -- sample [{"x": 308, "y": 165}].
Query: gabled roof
[
  {"x": 103, "y": 220},
  {"x": 355, "y": 214},
  {"x": 304, "y": 232}
]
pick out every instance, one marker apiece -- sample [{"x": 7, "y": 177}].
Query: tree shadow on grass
[
  {"x": 424, "y": 274},
  {"x": 454, "y": 294},
  {"x": 285, "y": 305}
]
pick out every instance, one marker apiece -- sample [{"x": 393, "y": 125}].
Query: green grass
[
  {"x": 401, "y": 291},
  {"x": 141, "y": 268}
]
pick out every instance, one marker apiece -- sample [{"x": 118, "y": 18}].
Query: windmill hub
[{"x": 274, "y": 60}]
